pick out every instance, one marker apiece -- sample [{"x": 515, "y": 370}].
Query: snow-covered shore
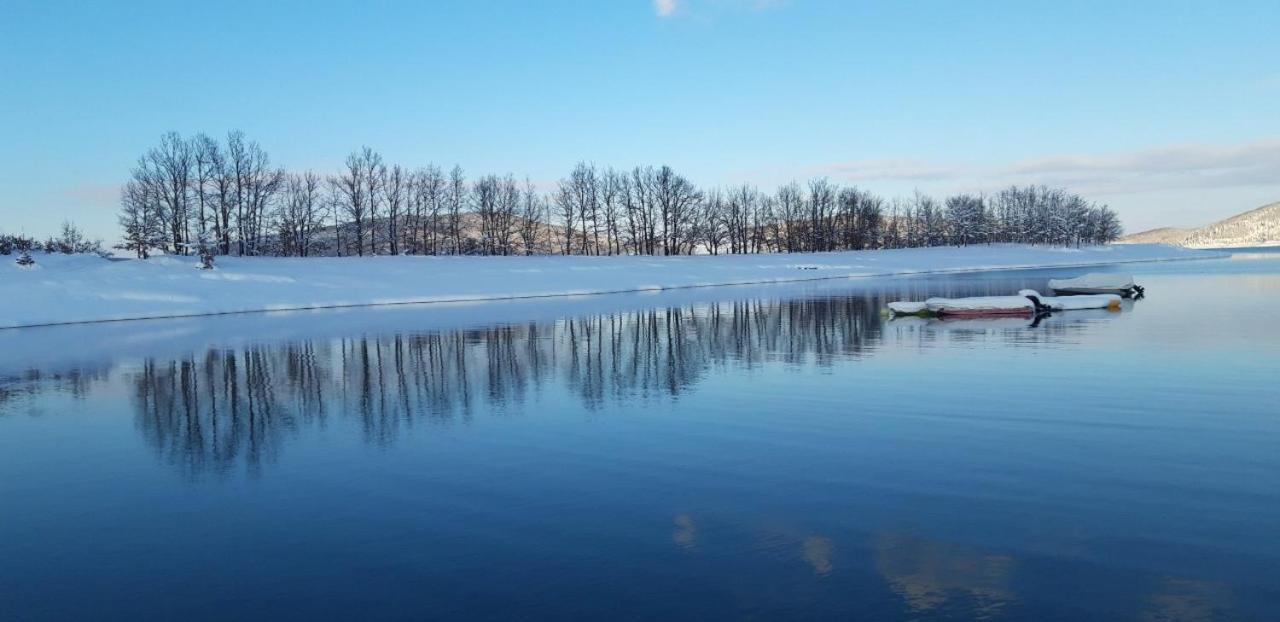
[{"x": 71, "y": 289}]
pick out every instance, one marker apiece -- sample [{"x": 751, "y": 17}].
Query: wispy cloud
[
  {"x": 886, "y": 170},
  {"x": 761, "y": 5},
  {"x": 705, "y": 8},
  {"x": 1177, "y": 166},
  {"x": 93, "y": 194}
]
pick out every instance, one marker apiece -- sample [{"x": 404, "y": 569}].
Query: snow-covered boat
[
  {"x": 908, "y": 307},
  {"x": 1027, "y": 303},
  {"x": 985, "y": 306},
  {"x": 977, "y": 306},
  {"x": 1074, "y": 303},
  {"x": 1097, "y": 283}
]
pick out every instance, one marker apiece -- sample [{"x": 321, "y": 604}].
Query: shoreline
[{"x": 510, "y": 278}]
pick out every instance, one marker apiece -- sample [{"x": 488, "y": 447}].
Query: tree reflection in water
[
  {"x": 211, "y": 410},
  {"x": 75, "y": 382}
]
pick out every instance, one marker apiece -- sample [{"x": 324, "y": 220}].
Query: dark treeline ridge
[{"x": 227, "y": 197}]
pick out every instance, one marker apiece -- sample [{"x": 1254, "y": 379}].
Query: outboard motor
[
  {"x": 1139, "y": 292},
  {"x": 1041, "y": 308}
]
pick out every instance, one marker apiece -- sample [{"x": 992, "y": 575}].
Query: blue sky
[{"x": 1167, "y": 111}]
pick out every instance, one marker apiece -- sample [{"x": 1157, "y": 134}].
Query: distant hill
[
  {"x": 1253, "y": 228},
  {"x": 1163, "y": 235},
  {"x": 1257, "y": 227}
]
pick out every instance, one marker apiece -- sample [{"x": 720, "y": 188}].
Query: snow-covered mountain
[
  {"x": 1257, "y": 227},
  {"x": 1253, "y": 228}
]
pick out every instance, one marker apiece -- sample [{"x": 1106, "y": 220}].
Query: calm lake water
[{"x": 766, "y": 453}]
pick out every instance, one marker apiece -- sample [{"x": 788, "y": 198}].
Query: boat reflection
[{"x": 1059, "y": 327}]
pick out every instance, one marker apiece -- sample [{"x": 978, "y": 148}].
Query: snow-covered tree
[
  {"x": 968, "y": 217},
  {"x": 140, "y": 217},
  {"x": 206, "y": 247}
]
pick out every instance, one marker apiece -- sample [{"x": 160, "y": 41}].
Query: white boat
[{"x": 1097, "y": 283}]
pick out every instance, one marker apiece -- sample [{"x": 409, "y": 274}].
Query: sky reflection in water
[{"x": 763, "y": 452}]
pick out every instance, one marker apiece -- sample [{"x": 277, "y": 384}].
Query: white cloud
[
  {"x": 665, "y": 8},
  {"x": 1172, "y": 185},
  {"x": 1161, "y": 168}
]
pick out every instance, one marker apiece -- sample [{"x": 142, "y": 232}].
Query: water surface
[{"x": 765, "y": 452}]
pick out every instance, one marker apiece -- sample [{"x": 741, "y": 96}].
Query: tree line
[
  {"x": 209, "y": 196},
  {"x": 69, "y": 241}
]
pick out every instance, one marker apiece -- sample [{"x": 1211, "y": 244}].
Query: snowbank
[{"x": 68, "y": 289}]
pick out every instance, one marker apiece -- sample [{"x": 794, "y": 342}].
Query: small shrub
[{"x": 10, "y": 244}]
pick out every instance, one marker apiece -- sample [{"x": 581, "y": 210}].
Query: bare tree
[
  {"x": 639, "y": 198},
  {"x": 533, "y": 213},
  {"x": 335, "y": 203},
  {"x": 737, "y": 214},
  {"x": 508, "y": 205},
  {"x": 398, "y": 193},
  {"x": 223, "y": 195},
  {"x": 611, "y": 204},
  {"x": 567, "y": 202},
  {"x": 578, "y": 198},
  {"x": 253, "y": 184},
  {"x": 455, "y": 199},
  {"x": 374, "y": 177},
  {"x": 676, "y": 199},
  {"x": 300, "y": 213},
  {"x": 430, "y": 189},
  {"x": 204, "y": 157},
  {"x": 713, "y": 221},
  {"x": 171, "y": 162},
  {"x": 768, "y": 230},
  {"x": 821, "y": 207},
  {"x": 349, "y": 192},
  {"x": 237, "y": 167},
  {"x": 587, "y": 188},
  {"x": 790, "y": 202},
  {"x": 484, "y": 193},
  {"x": 258, "y": 184}
]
